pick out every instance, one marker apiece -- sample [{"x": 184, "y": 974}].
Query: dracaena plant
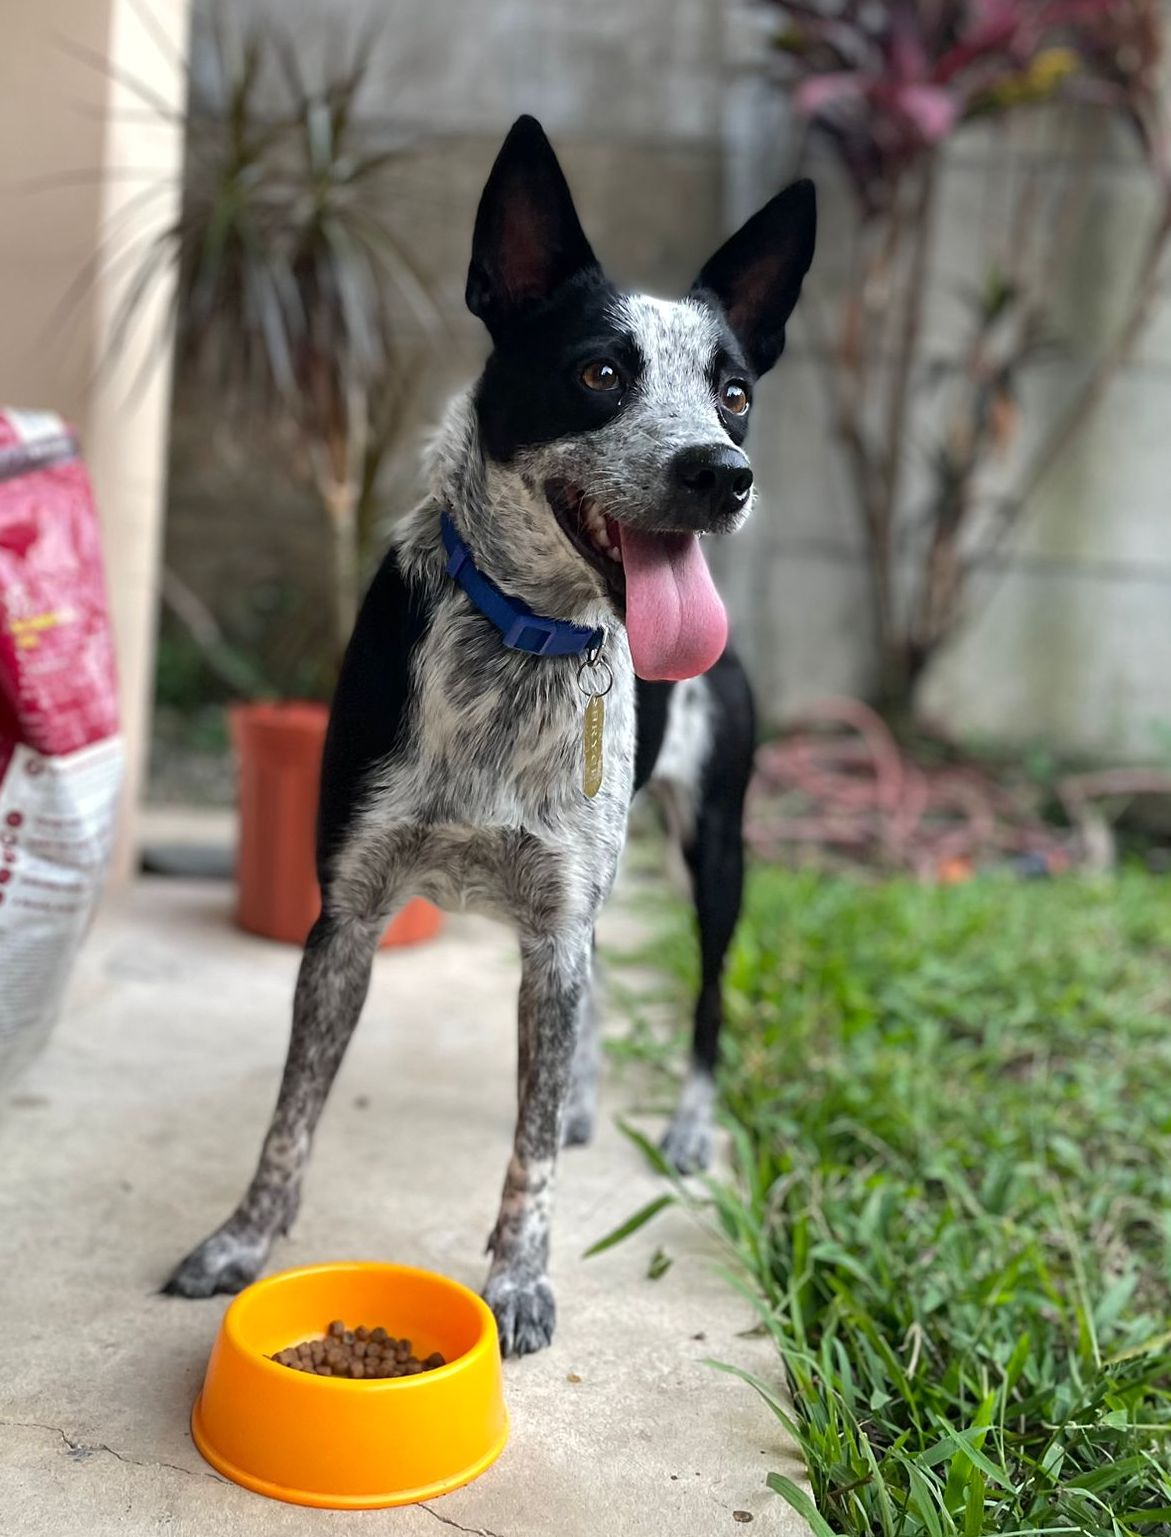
[
  {"x": 889, "y": 87},
  {"x": 293, "y": 292}
]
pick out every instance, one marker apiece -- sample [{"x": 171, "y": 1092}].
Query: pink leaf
[
  {"x": 813, "y": 95},
  {"x": 932, "y": 111}
]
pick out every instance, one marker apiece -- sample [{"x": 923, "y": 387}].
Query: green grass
[{"x": 952, "y": 1120}]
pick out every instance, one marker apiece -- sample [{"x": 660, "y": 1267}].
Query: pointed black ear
[
  {"x": 756, "y": 275},
  {"x": 528, "y": 239}
]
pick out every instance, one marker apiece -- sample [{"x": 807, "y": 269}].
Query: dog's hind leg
[
  {"x": 716, "y": 860},
  {"x": 331, "y": 989},
  {"x": 714, "y": 853},
  {"x": 581, "y": 1106},
  {"x": 554, "y": 980}
]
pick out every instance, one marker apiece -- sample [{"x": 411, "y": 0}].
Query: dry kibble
[{"x": 357, "y": 1353}]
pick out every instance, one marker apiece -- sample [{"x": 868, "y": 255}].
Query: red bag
[{"x": 60, "y": 753}]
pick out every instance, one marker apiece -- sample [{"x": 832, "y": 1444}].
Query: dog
[{"x": 482, "y": 754}]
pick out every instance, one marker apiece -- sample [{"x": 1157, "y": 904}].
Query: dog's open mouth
[
  {"x": 659, "y": 582},
  {"x": 593, "y": 534}
]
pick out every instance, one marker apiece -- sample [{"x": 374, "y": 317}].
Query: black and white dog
[{"x": 482, "y": 753}]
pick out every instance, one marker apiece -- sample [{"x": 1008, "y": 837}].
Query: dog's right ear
[{"x": 528, "y": 239}]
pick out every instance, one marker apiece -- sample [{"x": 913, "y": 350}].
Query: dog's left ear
[
  {"x": 528, "y": 239},
  {"x": 756, "y": 275}
]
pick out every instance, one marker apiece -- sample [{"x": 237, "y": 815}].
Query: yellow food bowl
[{"x": 346, "y": 1444}]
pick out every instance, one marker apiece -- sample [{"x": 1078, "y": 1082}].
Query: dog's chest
[
  {"x": 508, "y": 728},
  {"x": 484, "y": 806}
]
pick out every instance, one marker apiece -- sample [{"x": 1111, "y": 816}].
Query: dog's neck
[{"x": 507, "y": 524}]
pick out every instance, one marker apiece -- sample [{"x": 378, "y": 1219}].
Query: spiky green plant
[{"x": 293, "y": 291}]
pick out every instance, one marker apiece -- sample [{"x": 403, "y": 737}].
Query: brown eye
[
  {"x": 734, "y": 398},
  {"x": 601, "y": 375}
]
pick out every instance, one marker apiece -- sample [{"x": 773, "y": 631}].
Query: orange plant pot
[{"x": 278, "y": 761}]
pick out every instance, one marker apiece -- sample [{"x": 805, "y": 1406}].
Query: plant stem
[
  {"x": 899, "y": 666},
  {"x": 1010, "y": 510},
  {"x": 1111, "y": 360},
  {"x": 341, "y": 503}
]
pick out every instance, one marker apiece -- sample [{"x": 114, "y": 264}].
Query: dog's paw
[
  {"x": 688, "y": 1144},
  {"x": 526, "y": 1312},
  {"x": 221, "y": 1263}
]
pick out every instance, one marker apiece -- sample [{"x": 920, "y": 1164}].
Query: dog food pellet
[{"x": 358, "y": 1354}]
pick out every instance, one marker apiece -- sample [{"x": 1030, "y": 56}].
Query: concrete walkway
[{"x": 134, "y": 1134}]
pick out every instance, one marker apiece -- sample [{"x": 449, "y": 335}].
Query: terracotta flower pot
[{"x": 278, "y": 757}]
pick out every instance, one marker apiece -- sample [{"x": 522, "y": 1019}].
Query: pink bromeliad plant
[{"x": 889, "y": 86}]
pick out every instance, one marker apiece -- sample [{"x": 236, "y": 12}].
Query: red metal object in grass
[{"x": 839, "y": 787}]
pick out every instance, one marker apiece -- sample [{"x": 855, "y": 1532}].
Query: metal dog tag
[
  {"x": 595, "y": 680},
  {"x": 595, "y": 722}
]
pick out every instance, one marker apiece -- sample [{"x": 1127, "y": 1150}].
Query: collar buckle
[{"x": 542, "y": 633}]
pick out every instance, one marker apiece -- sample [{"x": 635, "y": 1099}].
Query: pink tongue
[{"x": 675, "y": 620}]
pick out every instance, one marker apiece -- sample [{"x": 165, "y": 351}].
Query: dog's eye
[
  {"x": 600, "y": 375},
  {"x": 734, "y": 398}
]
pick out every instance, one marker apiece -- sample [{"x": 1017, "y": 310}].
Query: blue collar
[{"x": 520, "y": 628}]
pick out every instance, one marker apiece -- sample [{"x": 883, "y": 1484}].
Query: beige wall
[
  {"x": 77, "y": 152},
  {"x": 51, "y": 108}
]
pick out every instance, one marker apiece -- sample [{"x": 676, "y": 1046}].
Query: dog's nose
[{"x": 716, "y": 476}]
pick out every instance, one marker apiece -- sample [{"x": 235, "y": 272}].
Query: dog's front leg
[
  {"x": 554, "y": 978},
  {"x": 331, "y": 989}
]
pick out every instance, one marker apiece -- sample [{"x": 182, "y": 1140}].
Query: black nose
[{"x": 718, "y": 477}]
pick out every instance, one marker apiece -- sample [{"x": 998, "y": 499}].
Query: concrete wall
[
  {"x": 76, "y": 152},
  {"x": 1073, "y": 645}
]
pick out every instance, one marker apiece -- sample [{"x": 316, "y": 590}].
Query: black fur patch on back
[{"x": 370, "y": 703}]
